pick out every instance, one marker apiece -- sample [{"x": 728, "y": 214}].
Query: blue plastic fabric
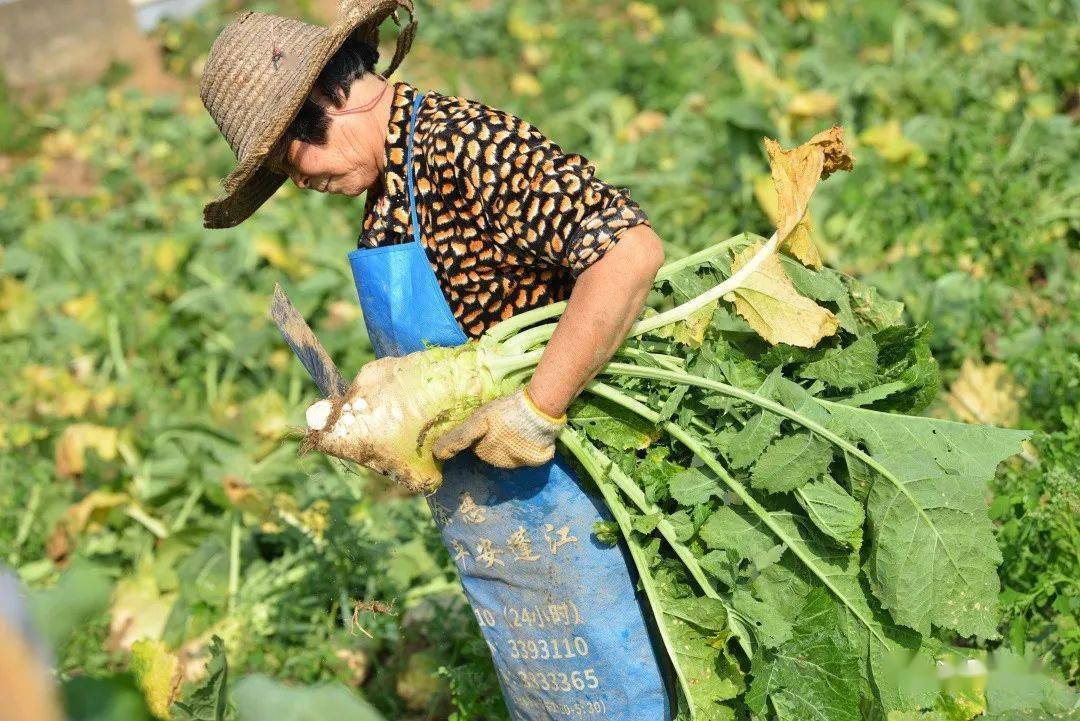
[
  {"x": 561, "y": 613},
  {"x": 15, "y": 614}
]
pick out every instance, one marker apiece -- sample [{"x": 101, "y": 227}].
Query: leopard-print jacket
[{"x": 508, "y": 219}]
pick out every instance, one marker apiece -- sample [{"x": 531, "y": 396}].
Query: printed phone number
[
  {"x": 540, "y": 650},
  {"x": 558, "y": 681}
]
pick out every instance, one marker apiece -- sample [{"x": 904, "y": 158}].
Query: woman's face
[{"x": 344, "y": 165}]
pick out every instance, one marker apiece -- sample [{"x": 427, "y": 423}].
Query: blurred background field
[{"x": 150, "y": 489}]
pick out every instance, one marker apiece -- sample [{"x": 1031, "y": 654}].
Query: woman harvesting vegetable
[
  {"x": 472, "y": 216},
  {"x": 806, "y": 549}
]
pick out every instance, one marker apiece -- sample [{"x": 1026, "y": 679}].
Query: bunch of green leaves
[
  {"x": 963, "y": 121},
  {"x": 806, "y": 546}
]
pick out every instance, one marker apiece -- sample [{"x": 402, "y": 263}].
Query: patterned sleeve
[{"x": 546, "y": 202}]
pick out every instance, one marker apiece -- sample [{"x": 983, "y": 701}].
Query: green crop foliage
[{"x": 149, "y": 404}]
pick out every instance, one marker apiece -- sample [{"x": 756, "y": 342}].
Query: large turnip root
[{"x": 396, "y": 408}]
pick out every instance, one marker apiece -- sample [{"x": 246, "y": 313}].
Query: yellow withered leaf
[
  {"x": 770, "y": 304},
  {"x": 80, "y": 307},
  {"x": 795, "y": 173},
  {"x": 757, "y": 77},
  {"x": 156, "y": 671},
  {"x": 644, "y": 123},
  {"x": 76, "y": 440},
  {"x": 267, "y": 414},
  {"x": 166, "y": 256},
  {"x": 92, "y": 508},
  {"x": 526, "y": 85},
  {"x": 139, "y": 611},
  {"x": 800, "y": 243},
  {"x": 765, "y": 194},
  {"x": 289, "y": 259},
  {"x": 812, "y": 104},
  {"x": 734, "y": 29},
  {"x": 18, "y": 305},
  {"x": 986, "y": 394},
  {"x": 246, "y": 497},
  {"x": 74, "y": 392},
  {"x": 890, "y": 143}
]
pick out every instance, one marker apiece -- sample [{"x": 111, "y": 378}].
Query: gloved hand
[{"x": 509, "y": 433}]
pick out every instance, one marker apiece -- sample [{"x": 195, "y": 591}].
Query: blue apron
[{"x": 560, "y": 612}]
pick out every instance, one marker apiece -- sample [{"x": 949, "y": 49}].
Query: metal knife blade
[{"x": 298, "y": 334}]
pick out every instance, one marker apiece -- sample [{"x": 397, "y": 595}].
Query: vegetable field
[{"x": 186, "y": 562}]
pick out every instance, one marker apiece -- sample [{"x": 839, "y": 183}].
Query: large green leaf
[
  {"x": 737, "y": 530},
  {"x": 869, "y": 309},
  {"x": 694, "y": 630},
  {"x": 698, "y": 628},
  {"x": 814, "y": 675},
  {"x": 833, "y": 573},
  {"x": 891, "y": 658},
  {"x": 933, "y": 555},
  {"x": 753, "y": 438},
  {"x": 882, "y": 646},
  {"x": 758, "y": 432},
  {"x": 771, "y": 626},
  {"x": 611, "y": 425}
]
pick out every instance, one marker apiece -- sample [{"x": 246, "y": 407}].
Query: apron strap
[{"x": 410, "y": 181}]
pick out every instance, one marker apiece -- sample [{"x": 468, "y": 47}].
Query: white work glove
[{"x": 510, "y": 432}]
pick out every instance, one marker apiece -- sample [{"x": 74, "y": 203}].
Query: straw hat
[{"x": 256, "y": 79}]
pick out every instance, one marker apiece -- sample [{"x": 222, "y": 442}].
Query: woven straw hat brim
[{"x": 251, "y": 183}]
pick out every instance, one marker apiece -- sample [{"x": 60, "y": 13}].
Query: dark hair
[{"x": 349, "y": 63}]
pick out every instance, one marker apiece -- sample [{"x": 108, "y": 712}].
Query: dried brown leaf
[
  {"x": 795, "y": 175},
  {"x": 800, "y": 243},
  {"x": 76, "y": 440}
]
